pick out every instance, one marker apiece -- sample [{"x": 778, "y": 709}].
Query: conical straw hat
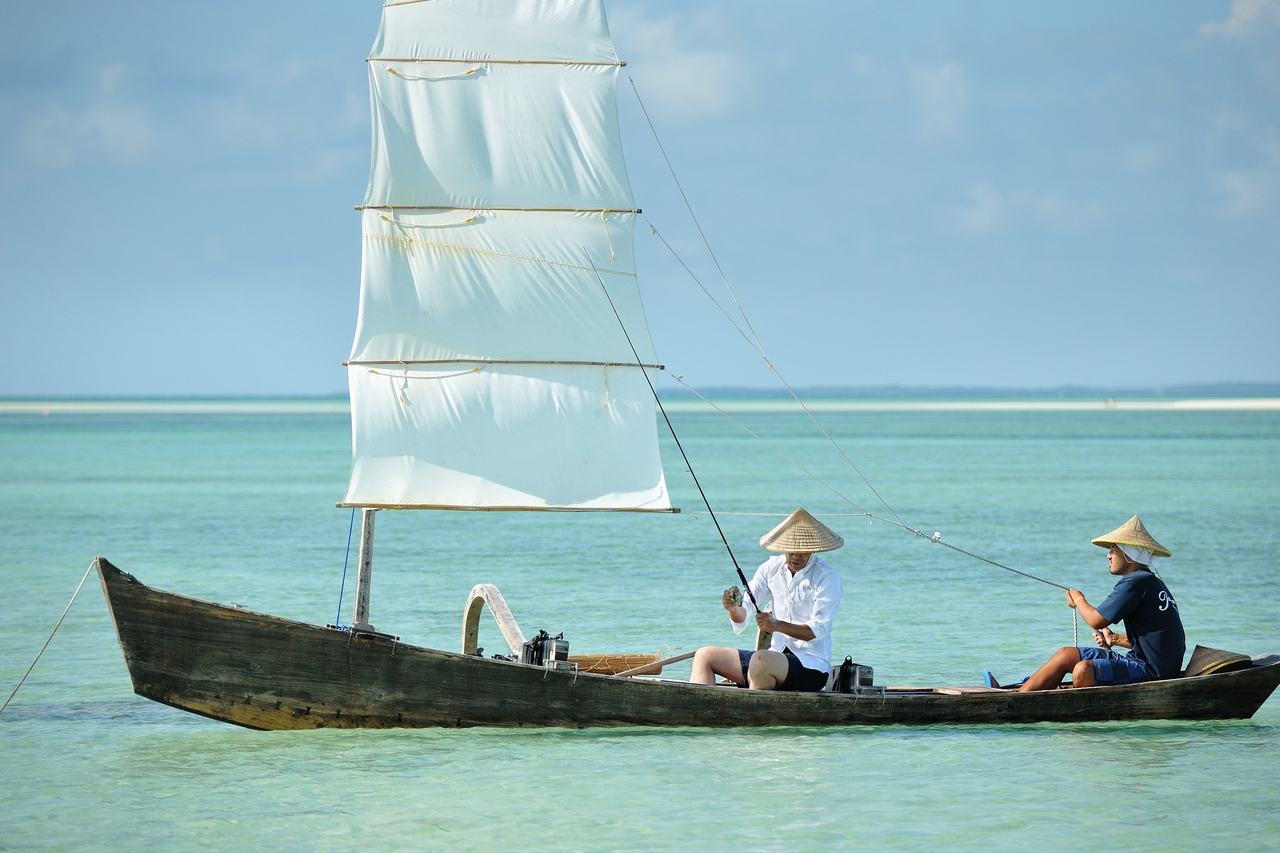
[
  {"x": 801, "y": 533},
  {"x": 1133, "y": 533}
]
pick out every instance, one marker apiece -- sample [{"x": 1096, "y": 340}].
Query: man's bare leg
[
  {"x": 710, "y": 661},
  {"x": 768, "y": 669},
  {"x": 1082, "y": 674},
  {"x": 1049, "y": 676}
]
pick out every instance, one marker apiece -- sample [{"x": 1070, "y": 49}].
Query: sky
[{"x": 979, "y": 194}]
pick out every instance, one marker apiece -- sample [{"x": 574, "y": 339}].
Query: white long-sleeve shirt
[{"x": 809, "y": 597}]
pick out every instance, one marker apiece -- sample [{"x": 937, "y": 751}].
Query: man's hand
[
  {"x": 1104, "y": 637},
  {"x": 765, "y": 622},
  {"x": 730, "y": 600},
  {"x": 1091, "y": 617}
]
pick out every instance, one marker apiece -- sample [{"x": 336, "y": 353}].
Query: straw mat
[{"x": 1206, "y": 661}]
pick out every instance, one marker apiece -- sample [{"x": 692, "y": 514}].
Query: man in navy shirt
[{"x": 1153, "y": 628}]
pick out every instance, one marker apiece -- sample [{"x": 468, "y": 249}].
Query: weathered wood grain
[{"x": 265, "y": 672}]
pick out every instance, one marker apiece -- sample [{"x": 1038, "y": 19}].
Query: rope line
[
  {"x": 759, "y": 350},
  {"x": 744, "y": 428},
  {"x": 337, "y": 620},
  {"x": 46, "y": 642},
  {"x": 698, "y": 281},
  {"x": 404, "y": 76},
  {"x": 407, "y": 375},
  {"x": 394, "y": 221},
  {"x": 759, "y": 347},
  {"x": 745, "y": 585},
  {"x": 754, "y": 342},
  {"x": 936, "y": 538},
  {"x": 693, "y": 216},
  {"x": 607, "y": 235}
]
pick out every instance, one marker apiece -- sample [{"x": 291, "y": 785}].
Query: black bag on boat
[{"x": 851, "y": 677}]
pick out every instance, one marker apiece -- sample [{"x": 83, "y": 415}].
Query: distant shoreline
[{"x": 1220, "y": 397}]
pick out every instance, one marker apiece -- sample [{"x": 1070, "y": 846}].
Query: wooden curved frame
[{"x": 480, "y": 595}]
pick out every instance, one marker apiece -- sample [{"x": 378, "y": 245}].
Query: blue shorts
[
  {"x": 1111, "y": 667},
  {"x": 799, "y": 677}
]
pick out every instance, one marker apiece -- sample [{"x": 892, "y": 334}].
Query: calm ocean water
[{"x": 238, "y": 507}]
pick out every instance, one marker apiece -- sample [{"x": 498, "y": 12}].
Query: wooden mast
[{"x": 360, "y": 621}]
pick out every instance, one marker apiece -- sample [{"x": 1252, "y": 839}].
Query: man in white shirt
[{"x": 805, "y": 592}]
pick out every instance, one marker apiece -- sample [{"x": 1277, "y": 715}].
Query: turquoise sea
[{"x": 235, "y": 503}]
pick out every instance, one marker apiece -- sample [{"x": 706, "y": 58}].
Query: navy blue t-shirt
[{"x": 1150, "y": 619}]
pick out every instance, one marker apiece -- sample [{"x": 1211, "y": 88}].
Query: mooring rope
[{"x": 46, "y": 642}]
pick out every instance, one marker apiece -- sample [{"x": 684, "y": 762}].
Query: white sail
[{"x": 489, "y": 368}]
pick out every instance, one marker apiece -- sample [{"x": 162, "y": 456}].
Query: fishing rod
[{"x": 745, "y": 585}]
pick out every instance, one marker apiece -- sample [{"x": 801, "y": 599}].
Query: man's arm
[
  {"x": 1091, "y": 617},
  {"x": 791, "y": 629}
]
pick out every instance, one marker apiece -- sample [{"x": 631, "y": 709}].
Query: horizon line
[{"x": 1198, "y": 390}]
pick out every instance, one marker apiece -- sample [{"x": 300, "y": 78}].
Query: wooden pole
[
  {"x": 656, "y": 666},
  {"x": 360, "y": 622}
]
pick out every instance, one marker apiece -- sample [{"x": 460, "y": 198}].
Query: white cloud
[
  {"x": 1255, "y": 188},
  {"x": 990, "y": 211},
  {"x": 941, "y": 94},
  {"x": 1247, "y": 17},
  {"x": 679, "y": 80},
  {"x": 110, "y": 124}
]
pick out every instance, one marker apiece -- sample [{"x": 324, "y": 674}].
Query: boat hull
[{"x": 264, "y": 672}]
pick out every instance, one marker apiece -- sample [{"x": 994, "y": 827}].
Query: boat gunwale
[{"x": 889, "y": 697}]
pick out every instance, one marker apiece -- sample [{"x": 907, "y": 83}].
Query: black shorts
[{"x": 799, "y": 677}]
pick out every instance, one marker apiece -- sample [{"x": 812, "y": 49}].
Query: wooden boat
[
  {"x": 264, "y": 672},
  {"x": 501, "y": 363}
]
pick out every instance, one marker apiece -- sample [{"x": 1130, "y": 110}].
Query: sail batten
[
  {"x": 371, "y": 363},
  {"x": 494, "y": 208},
  {"x": 489, "y": 370},
  {"x": 483, "y": 60},
  {"x": 460, "y": 508}
]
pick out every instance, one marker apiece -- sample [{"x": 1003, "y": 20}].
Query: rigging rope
[
  {"x": 745, "y": 585},
  {"x": 404, "y": 76},
  {"x": 754, "y": 342},
  {"x": 46, "y": 642},
  {"x": 401, "y": 224},
  {"x": 693, "y": 216},
  {"x": 936, "y": 538},
  {"x": 337, "y": 620},
  {"x": 743, "y": 427},
  {"x": 763, "y": 355}
]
